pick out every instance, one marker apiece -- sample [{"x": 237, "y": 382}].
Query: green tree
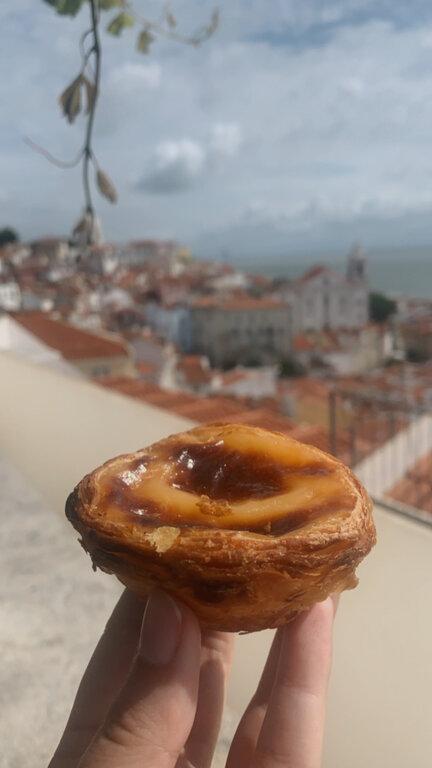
[
  {"x": 289, "y": 367},
  {"x": 414, "y": 355},
  {"x": 8, "y": 235},
  {"x": 381, "y": 307},
  {"x": 81, "y": 95}
]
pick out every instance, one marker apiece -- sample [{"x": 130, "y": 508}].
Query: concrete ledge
[{"x": 55, "y": 428}]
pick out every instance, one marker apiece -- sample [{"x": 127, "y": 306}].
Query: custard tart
[{"x": 247, "y": 527}]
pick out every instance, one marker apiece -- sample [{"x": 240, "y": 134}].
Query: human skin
[{"x": 154, "y": 691}]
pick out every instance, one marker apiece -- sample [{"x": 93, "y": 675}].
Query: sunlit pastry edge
[{"x": 232, "y": 580}]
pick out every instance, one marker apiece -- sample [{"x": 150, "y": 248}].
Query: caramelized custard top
[{"x": 224, "y": 476}]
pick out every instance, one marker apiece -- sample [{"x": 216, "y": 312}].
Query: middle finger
[
  {"x": 216, "y": 660},
  {"x": 246, "y": 736}
]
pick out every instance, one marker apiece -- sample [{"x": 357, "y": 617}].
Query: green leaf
[
  {"x": 119, "y": 23},
  {"x": 107, "y": 5},
  {"x": 145, "y": 39},
  {"x": 66, "y": 7}
]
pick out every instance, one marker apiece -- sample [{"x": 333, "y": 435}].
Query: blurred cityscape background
[{"x": 244, "y": 235}]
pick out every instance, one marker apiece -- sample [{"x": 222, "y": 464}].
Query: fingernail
[{"x": 161, "y": 627}]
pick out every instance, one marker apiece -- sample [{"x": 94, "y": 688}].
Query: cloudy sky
[{"x": 302, "y": 124}]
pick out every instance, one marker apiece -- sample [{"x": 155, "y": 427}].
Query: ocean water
[{"x": 406, "y": 272}]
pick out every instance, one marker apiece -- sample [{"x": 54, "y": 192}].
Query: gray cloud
[
  {"x": 177, "y": 165},
  {"x": 237, "y": 123},
  {"x": 225, "y": 139}
]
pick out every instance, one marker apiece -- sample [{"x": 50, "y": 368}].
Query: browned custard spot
[
  {"x": 211, "y": 485},
  {"x": 226, "y": 475}
]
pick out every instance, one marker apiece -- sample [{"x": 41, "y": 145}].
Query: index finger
[
  {"x": 293, "y": 727},
  {"x": 103, "y": 678}
]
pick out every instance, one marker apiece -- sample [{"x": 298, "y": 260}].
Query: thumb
[{"x": 150, "y": 720}]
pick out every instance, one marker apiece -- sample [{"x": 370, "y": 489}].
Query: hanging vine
[{"x": 81, "y": 95}]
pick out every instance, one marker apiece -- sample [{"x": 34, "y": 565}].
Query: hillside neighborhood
[{"x": 205, "y": 340}]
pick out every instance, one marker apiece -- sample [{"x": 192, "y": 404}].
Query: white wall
[
  {"x": 55, "y": 428},
  {"x": 10, "y": 296}
]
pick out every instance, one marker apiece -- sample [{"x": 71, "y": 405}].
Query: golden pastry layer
[{"x": 247, "y": 527}]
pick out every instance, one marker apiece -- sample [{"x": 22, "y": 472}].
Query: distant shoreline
[{"x": 397, "y": 271}]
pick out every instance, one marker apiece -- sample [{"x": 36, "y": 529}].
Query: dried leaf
[
  {"x": 81, "y": 227},
  {"x": 70, "y": 99},
  {"x": 145, "y": 39},
  {"x": 85, "y": 230},
  {"x": 119, "y": 23},
  {"x": 106, "y": 187},
  {"x": 91, "y": 92}
]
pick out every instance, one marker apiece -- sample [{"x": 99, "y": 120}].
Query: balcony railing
[{"x": 390, "y": 448}]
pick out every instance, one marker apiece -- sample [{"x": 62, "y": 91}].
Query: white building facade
[
  {"x": 237, "y": 331},
  {"x": 10, "y": 296},
  {"x": 324, "y": 299}
]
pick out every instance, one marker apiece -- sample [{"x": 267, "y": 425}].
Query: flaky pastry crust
[{"x": 245, "y": 526}]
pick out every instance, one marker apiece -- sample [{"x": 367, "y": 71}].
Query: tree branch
[
  {"x": 161, "y": 29},
  {"x": 54, "y": 160},
  {"x": 87, "y": 151},
  {"x": 87, "y": 84}
]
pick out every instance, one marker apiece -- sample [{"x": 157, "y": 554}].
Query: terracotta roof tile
[
  {"x": 208, "y": 409},
  {"x": 146, "y": 369},
  {"x": 302, "y": 343},
  {"x": 73, "y": 343},
  {"x": 201, "y": 409},
  {"x": 318, "y": 269},
  {"x": 233, "y": 377},
  {"x": 132, "y": 387},
  {"x": 170, "y": 400},
  {"x": 193, "y": 370}
]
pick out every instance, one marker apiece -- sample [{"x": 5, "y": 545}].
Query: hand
[{"x": 153, "y": 693}]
